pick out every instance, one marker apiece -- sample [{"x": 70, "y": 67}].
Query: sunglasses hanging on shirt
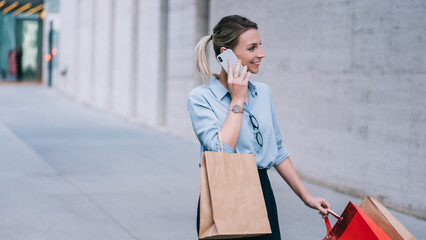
[{"x": 255, "y": 125}]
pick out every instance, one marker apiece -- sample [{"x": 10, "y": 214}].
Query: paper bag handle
[
  {"x": 327, "y": 222},
  {"x": 334, "y": 214},
  {"x": 221, "y": 145}
]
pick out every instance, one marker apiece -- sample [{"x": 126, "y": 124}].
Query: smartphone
[{"x": 229, "y": 56}]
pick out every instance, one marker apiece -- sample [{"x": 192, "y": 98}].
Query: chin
[{"x": 254, "y": 71}]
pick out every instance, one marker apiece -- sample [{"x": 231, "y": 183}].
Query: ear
[{"x": 222, "y": 49}]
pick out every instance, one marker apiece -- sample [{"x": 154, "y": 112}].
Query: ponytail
[{"x": 201, "y": 58}]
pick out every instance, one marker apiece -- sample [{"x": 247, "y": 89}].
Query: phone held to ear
[{"x": 229, "y": 56}]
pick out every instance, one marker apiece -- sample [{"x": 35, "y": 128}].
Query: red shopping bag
[{"x": 354, "y": 224}]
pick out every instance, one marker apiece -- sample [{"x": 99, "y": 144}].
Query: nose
[{"x": 260, "y": 53}]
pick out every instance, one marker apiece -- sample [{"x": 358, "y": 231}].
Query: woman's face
[{"x": 248, "y": 50}]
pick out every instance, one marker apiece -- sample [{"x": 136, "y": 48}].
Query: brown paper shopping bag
[
  {"x": 385, "y": 220},
  {"x": 231, "y": 198}
]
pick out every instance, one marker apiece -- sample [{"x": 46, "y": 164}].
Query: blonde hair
[
  {"x": 201, "y": 58},
  {"x": 225, "y": 34}
]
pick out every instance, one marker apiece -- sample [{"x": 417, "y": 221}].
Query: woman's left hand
[{"x": 320, "y": 204}]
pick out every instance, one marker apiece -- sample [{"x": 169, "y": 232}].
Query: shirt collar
[{"x": 220, "y": 91}]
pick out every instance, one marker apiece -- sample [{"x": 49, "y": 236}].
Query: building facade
[{"x": 348, "y": 79}]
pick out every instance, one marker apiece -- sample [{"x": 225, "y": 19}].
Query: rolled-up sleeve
[
  {"x": 282, "y": 153},
  {"x": 206, "y": 124}
]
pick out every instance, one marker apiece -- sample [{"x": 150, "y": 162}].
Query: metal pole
[{"x": 51, "y": 55}]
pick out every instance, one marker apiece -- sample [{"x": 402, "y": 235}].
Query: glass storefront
[{"x": 21, "y": 41}]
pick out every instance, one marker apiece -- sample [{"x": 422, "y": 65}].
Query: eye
[{"x": 251, "y": 48}]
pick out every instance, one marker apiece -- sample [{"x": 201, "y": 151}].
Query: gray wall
[{"x": 348, "y": 78}]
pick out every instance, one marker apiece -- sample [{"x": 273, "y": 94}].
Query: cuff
[
  {"x": 281, "y": 156},
  {"x": 226, "y": 148}
]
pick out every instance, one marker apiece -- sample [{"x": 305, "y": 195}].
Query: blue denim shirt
[{"x": 208, "y": 107}]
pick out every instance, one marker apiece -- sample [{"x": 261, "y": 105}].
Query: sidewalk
[{"x": 70, "y": 172}]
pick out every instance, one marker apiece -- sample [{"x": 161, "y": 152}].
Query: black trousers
[{"x": 271, "y": 208}]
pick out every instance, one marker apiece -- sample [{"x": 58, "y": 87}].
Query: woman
[{"x": 242, "y": 112}]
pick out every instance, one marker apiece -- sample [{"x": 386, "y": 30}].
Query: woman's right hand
[{"x": 238, "y": 85}]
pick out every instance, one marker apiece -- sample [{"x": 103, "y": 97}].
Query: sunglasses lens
[
  {"x": 259, "y": 138},
  {"x": 254, "y": 121}
]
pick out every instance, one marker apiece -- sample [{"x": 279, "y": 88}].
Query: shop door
[{"x": 28, "y": 42}]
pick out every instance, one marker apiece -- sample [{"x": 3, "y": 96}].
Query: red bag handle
[{"x": 327, "y": 222}]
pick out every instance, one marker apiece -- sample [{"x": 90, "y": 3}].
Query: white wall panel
[
  {"x": 67, "y": 47},
  {"x": 102, "y": 53},
  {"x": 148, "y": 62},
  {"x": 182, "y": 39},
  {"x": 122, "y": 57},
  {"x": 85, "y": 51}
]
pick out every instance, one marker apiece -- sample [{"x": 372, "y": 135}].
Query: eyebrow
[
  {"x": 250, "y": 44},
  {"x": 255, "y": 43}
]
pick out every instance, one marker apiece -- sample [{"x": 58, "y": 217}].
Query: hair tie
[{"x": 211, "y": 37}]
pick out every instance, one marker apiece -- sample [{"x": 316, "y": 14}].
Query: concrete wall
[
  {"x": 113, "y": 53},
  {"x": 348, "y": 79},
  {"x": 102, "y": 54},
  {"x": 67, "y": 47},
  {"x": 182, "y": 38}
]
